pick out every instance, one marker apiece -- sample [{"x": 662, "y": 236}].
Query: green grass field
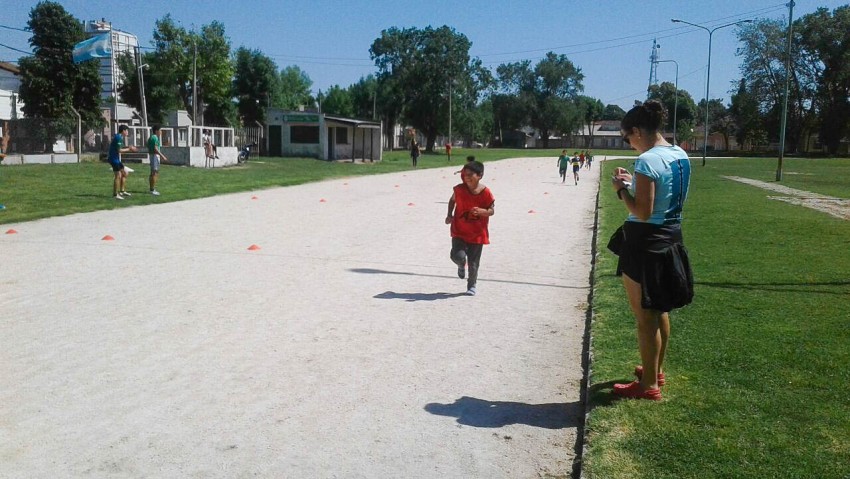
[
  {"x": 40, "y": 191},
  {"x": 758, "y": 366}
]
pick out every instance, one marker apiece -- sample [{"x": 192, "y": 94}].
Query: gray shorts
[{"x": 154, "y": 163}]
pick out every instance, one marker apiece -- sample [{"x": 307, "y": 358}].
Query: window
[
  {"x": 304, "y": 134},
  {"x": 341, "y": 136}
]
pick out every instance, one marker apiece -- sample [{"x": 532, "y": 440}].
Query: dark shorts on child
[
  {"x": 117, "y": 166},
  {"x": 655, "y": 256}
]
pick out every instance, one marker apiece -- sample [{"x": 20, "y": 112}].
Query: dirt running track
[{"x": 340, "y": 349}]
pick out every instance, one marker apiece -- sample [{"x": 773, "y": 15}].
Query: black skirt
[{"x": 655, "y": 256}]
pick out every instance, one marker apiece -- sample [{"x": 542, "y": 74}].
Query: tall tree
[
  {"x": 294, "y": 89},
  {"x": 337, "y": 101},
  {"x": 590, "y": 112},
  {"x": 719, "y": 120},
  {"x": 685, "y": 108},
  {"x": 364, "y": 97},
  {"x": 168, "y": 80},
  {"x": 51, "y": 83},
  {"x": 826, "y": 37},
  {"x": 744, "y": 110},
  {"x": 762, "y": 49},
  {"x": 474, "y": 123},
  {"x": 424, "y": 67},
  {"x": 548, "y": 91},
  {"x": 613, "y": 112},
  {"x": 215, "y": 75},
  {"x": 254, "y": 83}
]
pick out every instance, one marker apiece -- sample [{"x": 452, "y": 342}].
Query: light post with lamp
[
  {"x": 142, "y": 93},
  {"x": 708, "y": 72},
  {"x": 675, "y": 99}
]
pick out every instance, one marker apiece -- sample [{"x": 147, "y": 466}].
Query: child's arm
[
  {"x": 450, "y": 214},
  {"x": 490, "y": 211}
]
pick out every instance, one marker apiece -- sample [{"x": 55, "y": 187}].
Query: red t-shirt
[{"x": 471, "y": 230}]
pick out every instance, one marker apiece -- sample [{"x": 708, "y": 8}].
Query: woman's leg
[
  {"x": 665, "y": 336},
  {"x": 649, "y": 334}
]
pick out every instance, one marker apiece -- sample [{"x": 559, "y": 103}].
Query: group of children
[{"x": 579, "y": 160}]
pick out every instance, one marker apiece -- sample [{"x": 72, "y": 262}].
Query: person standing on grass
[
  {"x": 448, "y": 151},
  {"x": 116, "y": 147},
  {"x": 653, "y": 261},
  {"x": 209, "y": 146},
  {"x": 155, "y": 152},
  {"x": 415, "y": 151},
  {"x": 470, "y": 208},
  {"x": 563, "y": 163}
]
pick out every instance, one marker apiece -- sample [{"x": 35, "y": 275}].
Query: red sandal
[
  {"x": 639, "y": 374},
  {"x": 633, "y": 390}
]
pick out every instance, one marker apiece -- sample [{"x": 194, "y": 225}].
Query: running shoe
[
  {"x": 639, "y": 374},
  {"x": 633, "y": 390}
]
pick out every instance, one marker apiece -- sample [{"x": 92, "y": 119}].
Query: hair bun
[{"x": 654, "y": 106}]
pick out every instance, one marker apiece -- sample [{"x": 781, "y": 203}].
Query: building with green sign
[{"x": 312, "y": 134}]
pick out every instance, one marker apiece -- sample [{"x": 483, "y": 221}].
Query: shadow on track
[{"x": 476, "y": 412}]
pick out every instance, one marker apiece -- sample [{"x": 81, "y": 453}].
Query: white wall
[{"x": 7, "y": 108}]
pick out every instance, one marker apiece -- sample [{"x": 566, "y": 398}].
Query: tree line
[{"x": 421, "y": 71}]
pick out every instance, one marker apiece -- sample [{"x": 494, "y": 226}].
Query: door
[
  {"x": 275, "y": 140},
  {"x": 331, "y": 141}
]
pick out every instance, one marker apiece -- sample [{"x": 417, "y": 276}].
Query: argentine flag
[{"x": 94, "y": 47}]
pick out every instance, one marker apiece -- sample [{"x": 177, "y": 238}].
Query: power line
[
  {"x": 639, "y": 35},
  {"x": 15, "y": 49},
  {"x": 27, "y": 30}
]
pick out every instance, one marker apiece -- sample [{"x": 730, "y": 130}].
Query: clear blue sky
[{"x": 610, "y": 40}]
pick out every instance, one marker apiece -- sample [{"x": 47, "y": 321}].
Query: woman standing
[
  {"x": 653, "y": 260},
  {"x": 414, "y": 151}
]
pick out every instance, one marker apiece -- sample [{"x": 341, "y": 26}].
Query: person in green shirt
[
  {"x": 563, "y": 163},
  {"x": 155, "y": 152}
]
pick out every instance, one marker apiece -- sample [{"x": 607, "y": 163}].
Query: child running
[
  {"x": 470, "y": 209},
  {"x": 563, "y": 162},
  {"x": 576, "y": 166}
]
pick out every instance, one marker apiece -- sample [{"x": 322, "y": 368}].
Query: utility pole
[
  {"x": 195, "y": 80},
  {"x": 450, "y": 112},
  {"x": 653, "y": 60},
  {"x": 785, "y": 98},
  {"x": 140, "y": 69}
]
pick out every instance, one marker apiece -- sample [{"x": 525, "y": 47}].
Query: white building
[
  {"x": 10, "y": 83},
  {"x": 122, "y": 43}
]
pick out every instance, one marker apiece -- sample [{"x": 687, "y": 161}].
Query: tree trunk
[
  {"x": 430, "y": 139},
  {"x": 389, "y": 130},
  {"x": 544, "y": 135}
]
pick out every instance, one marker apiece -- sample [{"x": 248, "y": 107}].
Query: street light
[
  {"x": 676, "y": 99},
  {"x": 142, "y": 93},
  {"x": 708, "y": 72}
]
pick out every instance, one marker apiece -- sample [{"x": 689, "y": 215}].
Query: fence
[{"x": 37, "y": 136}]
